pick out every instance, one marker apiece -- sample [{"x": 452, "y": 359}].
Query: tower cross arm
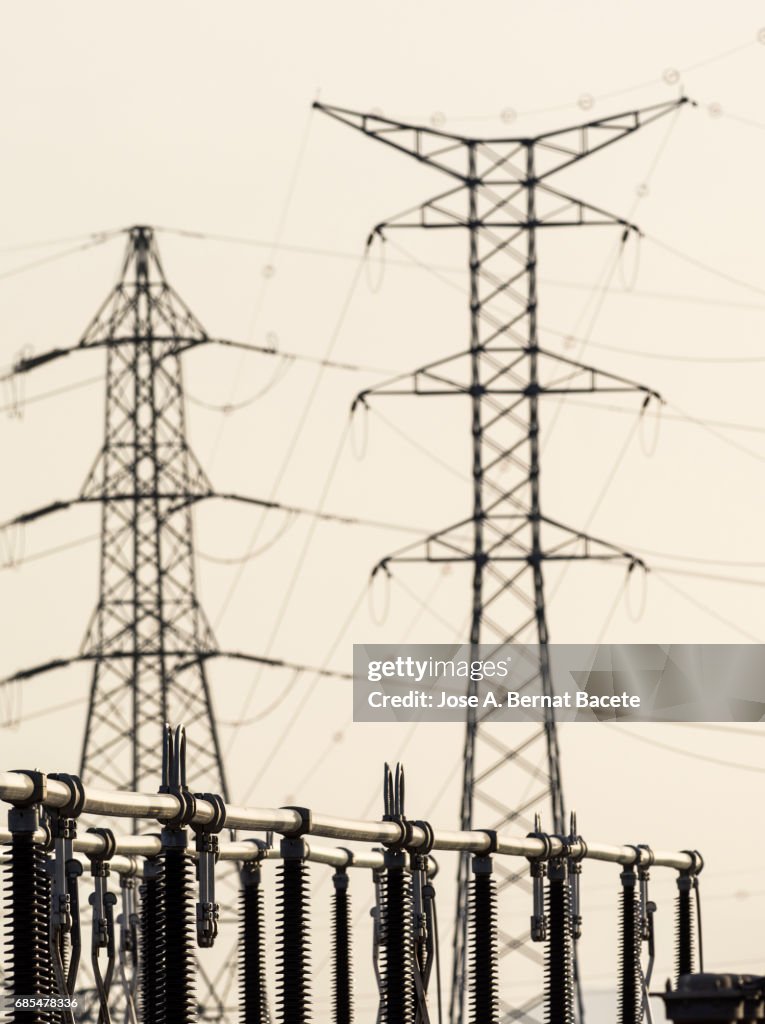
[
  {"x": 563, "y": 544},
  {"x": 428, "y": 145},
  {"x": 189, "y": 659},
  {"x": 438, "y": 148},
  {"x": 557, "y": 374},
  {"x": 572, "y": 144}
]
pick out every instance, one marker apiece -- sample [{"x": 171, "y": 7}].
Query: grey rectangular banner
[{"x": 587, "y": 682}]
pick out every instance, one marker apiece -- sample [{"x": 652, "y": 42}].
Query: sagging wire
[
  {"x": 307, "y": 405},
  {"x": 27, "y": 902},
  {"x": 289, "y": 520},
  {"x": 227, "y": 408},
  {"x": 253, "y": 994},
  {"x": 342, "y": 958},
  {"x": 293, "y": 957}
]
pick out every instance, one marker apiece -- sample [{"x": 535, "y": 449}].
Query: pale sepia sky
[{"x": 197, "y": 117}]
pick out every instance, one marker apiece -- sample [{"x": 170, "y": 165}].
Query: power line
[
  {"x": 684, "y": 418},
  {"x": 694, "y": 261},
  {"x": 12, "y": 407},
  {"x": 707, "y": 425},
  {"x": 51, "y": 258},
  {"x": 297, "y": 434},
  {"x": 266, "y": 277},
  {"x": 705, "y": 608},
  {"x": 670, "y": 76},
  {"x": 296, "y": 574},
  {"x": 682, "y": 752},
  {"x": 674, "y": 357},
  {"x": 673, "y": 571}
]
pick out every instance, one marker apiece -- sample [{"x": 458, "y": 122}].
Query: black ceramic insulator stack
[
  {"x": 396, "y": 950},
  {"x": 27, "y": 942},
  {"x": 253, "y": 1003},
  {"x": 152, "y": 945},
  {"x": 482, "y": 936},
  {"x": 630, "y": 988},
  {"x": 559, "y": 975},
  {"x": 294, "y": 961},
  {"x": 180, "y": 997},
  {"x": 684, "y": 951},
  {"x": 342, "y": 961}
]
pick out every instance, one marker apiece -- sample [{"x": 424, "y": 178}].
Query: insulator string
[
  {"x": 27, "y": 942},
  {"x": 396, "y": 949},
  {"x": 559, "y": 976},
  {"x": 294, "y": 961},
  {"x": 482, "y": 938},
  {"x": 342, "y": 959},
  {"x": 152, "y": 948},
  {"x": 253, "y": 996},
  {"x": 630, "y": 985},
  {"x": 684, "y": 944},
  {"x": 180, "y": 997}
]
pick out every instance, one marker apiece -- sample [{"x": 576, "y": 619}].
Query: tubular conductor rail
[
  {"x": 147, "y": 953},
  {"x": 130, "y": 848},
  {"x": 287, "y": 821}
]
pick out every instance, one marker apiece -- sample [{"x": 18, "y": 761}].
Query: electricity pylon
[
  {"x": 500, "y": 195},
  {"x": 148, "y": 612},
  {"x": 148, "y": 640}
]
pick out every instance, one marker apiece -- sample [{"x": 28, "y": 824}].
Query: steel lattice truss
[
  {"x": 500, "y": 195},
  {"x": 148, "y": 625}
]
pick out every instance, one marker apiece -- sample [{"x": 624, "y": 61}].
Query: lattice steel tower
[
  {"x": 148, "y": 622},
  {"x": 148, "y": 640},
  {"x": 501, "y": 197}
]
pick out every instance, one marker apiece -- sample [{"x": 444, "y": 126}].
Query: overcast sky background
[{"x": 198, "y": 118}]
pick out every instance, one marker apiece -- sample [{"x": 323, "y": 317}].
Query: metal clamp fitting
[
  {"x": 39, "y": 792},
  {"x": 174, "y": 777},
  {"x": 73, "y": 808},
  {"x": 110, "y": 848},
  {"x": 208, "y": 911},
  {"x": 304, "y": 827},
  {"x": 538, "y": 869},
  {"x": 697, "y": 865},
  {"x": 493, "y": 839}
]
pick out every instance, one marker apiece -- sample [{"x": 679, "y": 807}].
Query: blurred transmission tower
[
  {"x": 148, "y": 640},
  {"x": 500, "y": 194},
  {"x": 148, "y": 621}
]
